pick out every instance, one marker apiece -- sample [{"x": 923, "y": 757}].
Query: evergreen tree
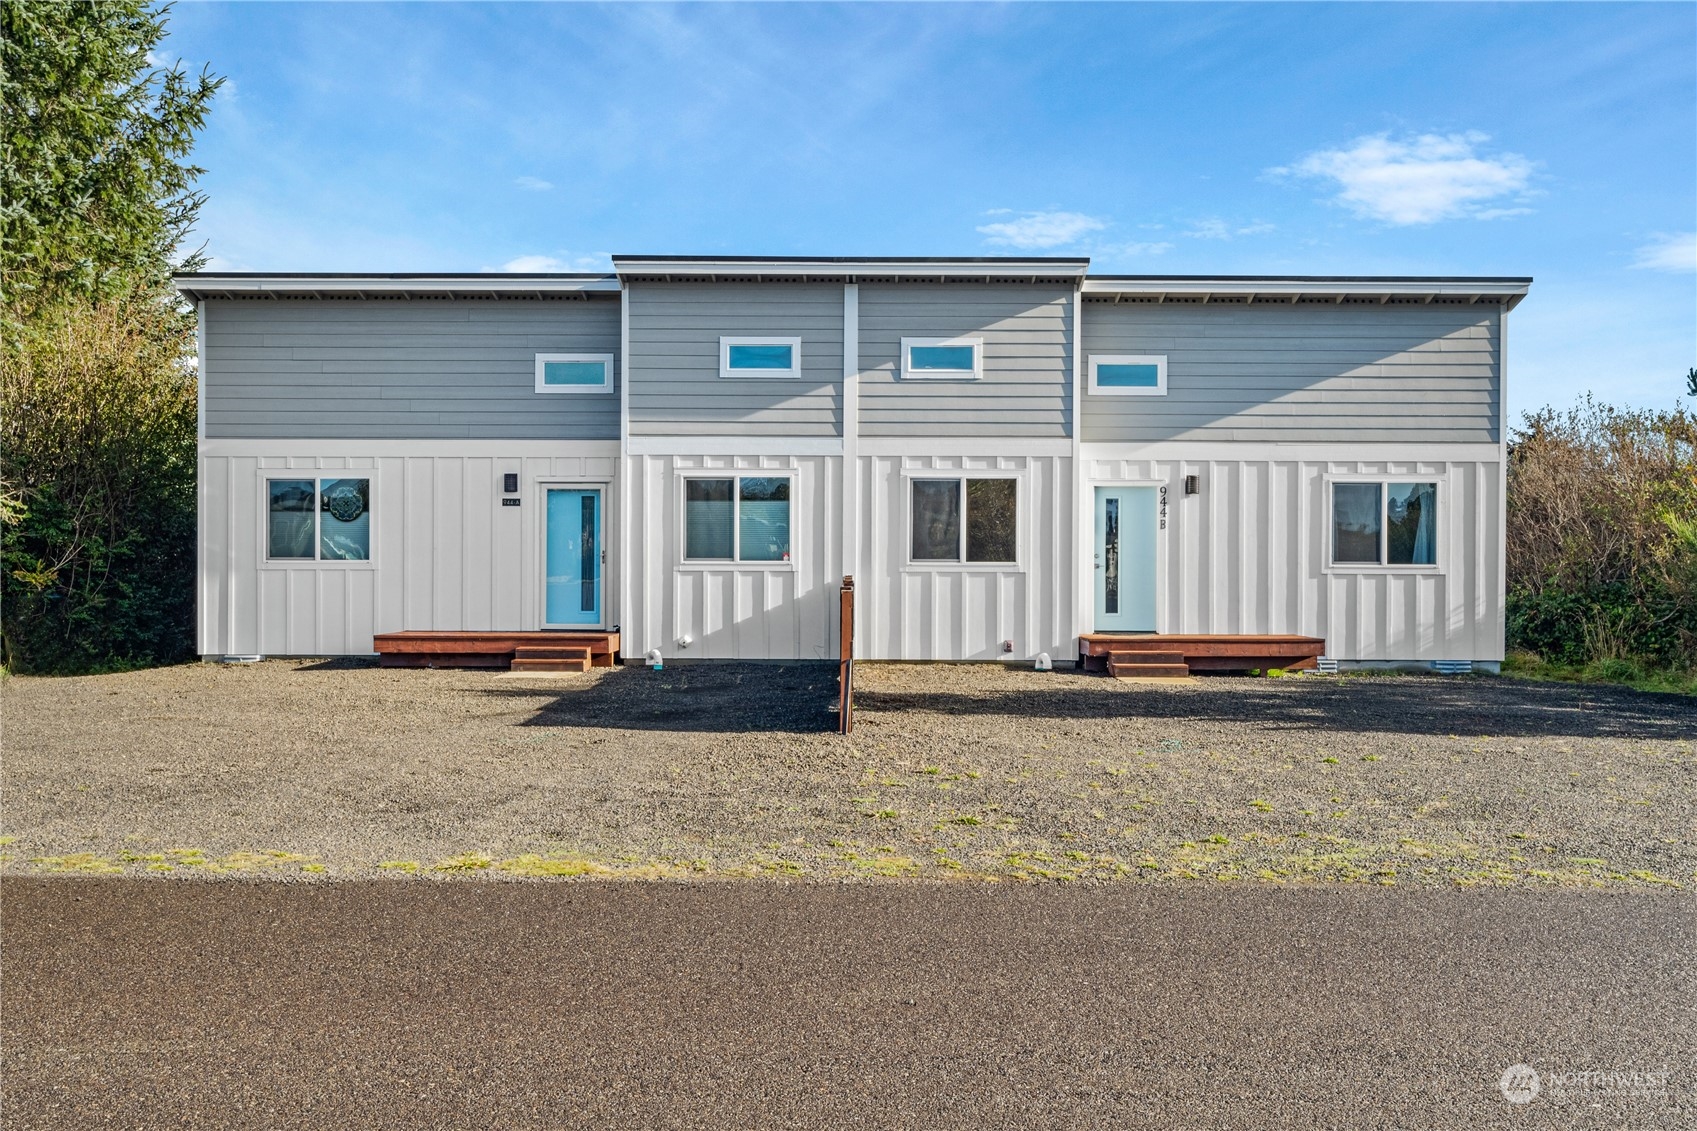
[{"x": 97, "y": 381}]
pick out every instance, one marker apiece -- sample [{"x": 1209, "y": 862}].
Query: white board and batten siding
[
  {"x": 445, "y": 554},
  {"x": 1250, "y": 552},
  {"x": 734, "y": 610},
  {"x": 965, "y": 611}
]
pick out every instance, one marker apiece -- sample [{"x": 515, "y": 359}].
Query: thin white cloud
[
  {"x": 534, "y": 184},
  {"x": 1675, "y": 252},
  {"x": 1214, "y": 228},
  {"x": 543, "y": 264},
  {"x": 1138, "y": 249},
  {"x": 1037, "y": 230},
  {"x": 1421, "y": 180}
]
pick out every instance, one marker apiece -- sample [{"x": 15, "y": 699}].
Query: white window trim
[
  {"x": 1439, "y": 564},
  {"x": 606, "y": 360},
  {"x": 1158, "y": 360},
  {"x": 909, "y": 477},
  {"x": 911, "y": 374},
  {"x": 317, "y": 475},
  {"x": 685, "y": 562},
  {"x": 726, "y": 373}
]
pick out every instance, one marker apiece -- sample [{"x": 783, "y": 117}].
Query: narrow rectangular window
[
  {"x": 1411, "y": 523},
  {"x": 991, "y": 520},
  {"x": 743, "y": 358},
  {"x": 709, "y": 515},
  {"x": 936, "y": 520},
  {"x": 1356, "y": 515},
  {"x": 344, "y": 520},
  {"x": 589, "y": 561},
  {"x": 762, "y": 357},
  {"x": 1124, "y": 375},
  {"x": 763, "y": 519},
  {"x": 1111, "y": 556},
  {"x": 289, "y": 525},
  {"x": 574, "y": 372},
  {"x": 942, "y": 359},
  {"x": 958, "y": 358}
]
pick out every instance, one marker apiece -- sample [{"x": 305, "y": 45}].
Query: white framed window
[
  {"x": 1128, "y": 375},
  {"x": 1383, "y": 523},
  {"x": 966, "y": 519},
  {"x": 755, "y": 358},
  {"x": 737, "y": 518},
  {"x": 322, "y": 519},
  {"x": 574, "y": 372},
  {"x": 942, "y": 359}
]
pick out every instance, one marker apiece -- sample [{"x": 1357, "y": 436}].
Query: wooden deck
[
  {"x": 1157, "y": 655},
  {"x": 519, "y": 651}
]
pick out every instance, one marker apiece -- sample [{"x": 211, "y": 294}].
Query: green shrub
[{"x": 1602, "y": 537}]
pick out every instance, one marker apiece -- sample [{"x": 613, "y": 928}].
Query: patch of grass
[
  {"x": 1264, "y": 806},
  {"x": 408, "y": 867},
  {"x": 1635, "y": 674},
  {"x": 464, "y": 862}
]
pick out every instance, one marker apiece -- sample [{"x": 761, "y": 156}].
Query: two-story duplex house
[{"x": 1009, "y": 455}]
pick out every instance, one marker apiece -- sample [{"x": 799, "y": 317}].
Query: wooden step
[
  {"x": 444, "y": 649},
  {"x": 535, "y": 652},
  {"x": 1131, "y": 656},
  {"x": 1148, "y": 671},
  {"x": 576, "y": 664}
]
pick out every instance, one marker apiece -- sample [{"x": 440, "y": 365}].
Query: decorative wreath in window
[{"x": 344, "y": 503}]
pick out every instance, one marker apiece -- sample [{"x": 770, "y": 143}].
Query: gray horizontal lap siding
[
  {"x": 1025, "y": 391},
  {"x": 675, "y": 387},
  {"x": 404, "y": 370},
  {"x": 1300, "y": 373}
]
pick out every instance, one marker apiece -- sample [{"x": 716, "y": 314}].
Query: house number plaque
[{"x": 1163, "y": 508}]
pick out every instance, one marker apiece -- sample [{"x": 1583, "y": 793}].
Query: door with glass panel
[
  {"x": 1125, "y": 559},
  {"x": 572, "y": 553}
]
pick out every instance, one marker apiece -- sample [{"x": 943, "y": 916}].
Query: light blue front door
[
  {"x": 1125, "y": 559},
  {"x": 572, "y": 591}
]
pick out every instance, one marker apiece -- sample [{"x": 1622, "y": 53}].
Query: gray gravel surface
[
  {"x": 605, "y": 1005},
  {"x": 339, "y": 769}
]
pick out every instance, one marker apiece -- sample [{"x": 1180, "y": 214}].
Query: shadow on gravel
[
  {"x": 728, "y": 698},
  {"x": 1403, "y": 704},
  {"x": 800, "y": 698}
]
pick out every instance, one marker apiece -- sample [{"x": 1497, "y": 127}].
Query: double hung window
[
  {"x": 744, "y": 518},
  {"x": 965, "y": 520},
  {"x": 1384, "y": 524},
  {"x": 318, "y": 520}
]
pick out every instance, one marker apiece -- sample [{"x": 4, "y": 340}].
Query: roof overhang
[
  {"x": 848, "y": 269},
  {"x": 1293, "y": 289},
  {"x": 225, "y": 284}
]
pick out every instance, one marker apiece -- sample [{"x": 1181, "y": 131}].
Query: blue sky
[{"x": 1552, "y": 140}]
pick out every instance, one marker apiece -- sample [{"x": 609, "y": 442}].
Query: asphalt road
[{"x": 141, "y": 1004}]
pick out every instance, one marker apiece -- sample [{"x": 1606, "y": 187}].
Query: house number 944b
[{"x": 1163, "y": 508}]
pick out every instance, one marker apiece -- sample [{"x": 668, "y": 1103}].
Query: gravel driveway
[{"x": 306, "y": 770}]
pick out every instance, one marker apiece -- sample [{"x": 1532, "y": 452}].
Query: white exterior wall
[
  {"x": 445, "y": 553},
  {"x": 963, "y": 611},
  {"x": 1249, "y": 553},
  {"x": 734, "y": 610}
]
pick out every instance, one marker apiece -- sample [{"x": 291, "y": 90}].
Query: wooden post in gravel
[{"x": 845, "y": 660}]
